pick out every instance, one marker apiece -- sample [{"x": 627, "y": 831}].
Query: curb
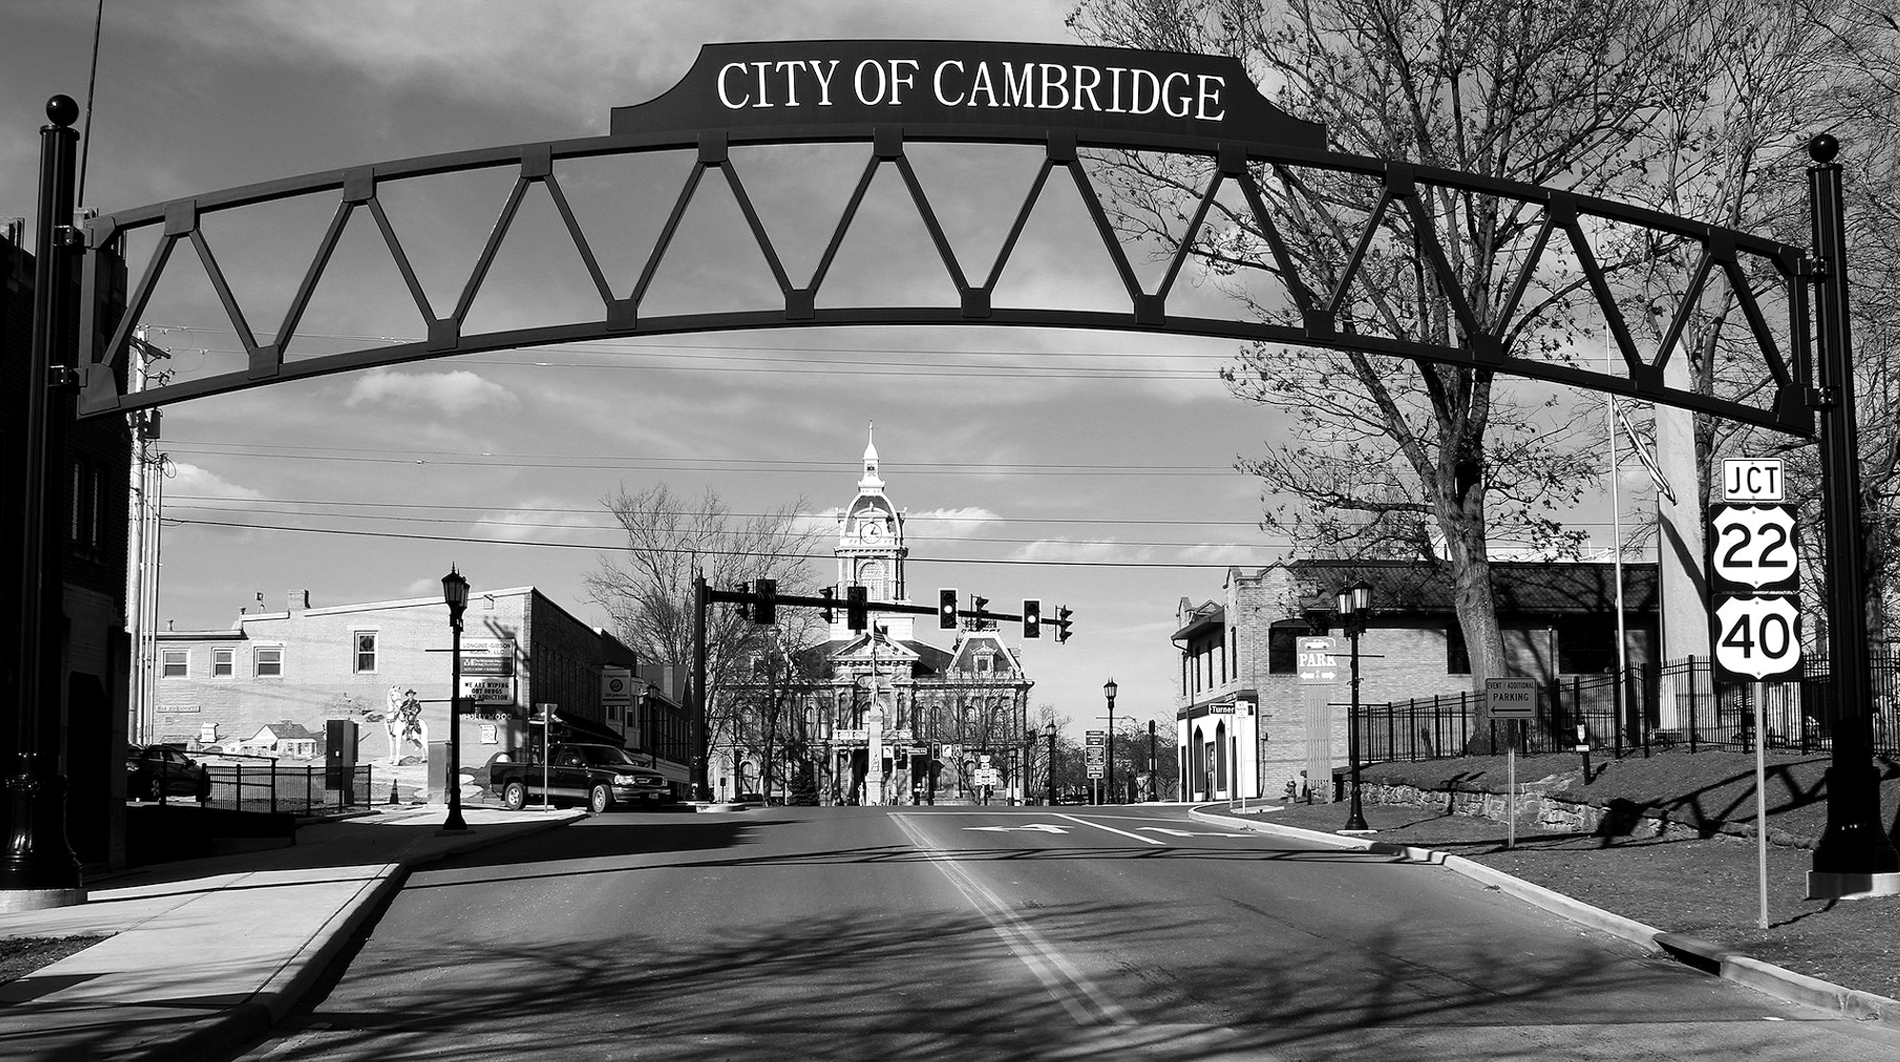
[{"x": 1716, "y": 959}]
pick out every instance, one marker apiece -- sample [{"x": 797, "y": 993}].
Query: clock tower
[{"x": 871, "y": 550}]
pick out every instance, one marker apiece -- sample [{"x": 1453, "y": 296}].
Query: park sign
[{"x": 930, "y": 88}]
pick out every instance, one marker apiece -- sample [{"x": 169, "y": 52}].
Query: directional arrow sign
[{"x": 1034, "y": 827}]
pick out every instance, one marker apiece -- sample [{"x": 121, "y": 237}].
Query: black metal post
[
  {"x": 1356, "y": 820},
  {"x": 1052, "y": 765},
  {"x": 39, "y": 869},
  {"x": 1854, "y": 842},
  {"x": 1109, "y": 786},
  {"x": 702, "y": 787},
  {"x": 457, "y": 599}
]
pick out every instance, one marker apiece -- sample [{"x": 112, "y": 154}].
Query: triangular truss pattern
[{"x": 1401, "y": 206}]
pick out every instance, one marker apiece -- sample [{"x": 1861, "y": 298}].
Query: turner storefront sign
[{"x": 934, "y": 84}]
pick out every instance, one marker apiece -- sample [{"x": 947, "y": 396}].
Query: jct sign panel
[{"x": 1754, "y": 581}]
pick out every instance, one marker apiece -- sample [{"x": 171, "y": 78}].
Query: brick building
[
  {"x": 219, "y": 690},
  {"x": 1242, "y": 722}
]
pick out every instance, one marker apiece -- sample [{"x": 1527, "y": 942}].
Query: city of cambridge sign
[{"x": 933, "y": 86}]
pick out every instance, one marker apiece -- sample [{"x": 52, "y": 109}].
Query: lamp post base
[
  {"x": 15, "y": 900},
  {"x": 1823, "y": 885}
]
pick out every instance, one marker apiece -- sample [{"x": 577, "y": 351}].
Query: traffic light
[
  {"x": 1032, "y": 618},
  {"x": 765, "y": 608},
  {"x": 743, "y": 608},
  {"x": 947, "y": 609},
  {"x": 857, "y": 607},
  {"x": 977, "y": 605},
  {"x": 829, "y": 608},
  {"x": 1062, "y": 625}
]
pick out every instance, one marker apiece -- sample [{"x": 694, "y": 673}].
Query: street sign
[
  {"x": 1752, "y": 549},
  {"x": 1095, "y": 755},
  {"x": 1223, "y": 708},
  {"x": 1095, "y": 771},
  {"x": 1094, "y": 737},
  {"x": 1754, "y": 586},
  {"x": 848, "y": 736},
  {"x": 1511, "y": 698},
  {"x": 1757, "y": 637},
  {"x": 1751, "y": 479},
  {"x": 1316, "y": 661}
]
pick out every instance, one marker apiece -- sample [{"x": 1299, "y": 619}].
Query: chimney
[{"x": 299, "y": 600}]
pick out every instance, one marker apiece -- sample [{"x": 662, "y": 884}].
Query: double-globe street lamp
[
  {"x": 1108, "y": 690},
  {"x": 1355, "y": 608},
  {"x": 455, "y": 595}
]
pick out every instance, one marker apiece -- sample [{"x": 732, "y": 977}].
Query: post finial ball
[
  {"x": 62, "y": 110},
  {"x": 1823, "y": 148}
]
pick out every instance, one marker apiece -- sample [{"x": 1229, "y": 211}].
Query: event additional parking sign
[{"x": 1754, "y": 587}]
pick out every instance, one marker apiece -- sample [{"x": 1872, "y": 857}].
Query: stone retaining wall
[{"x": 1541, "y": 810}]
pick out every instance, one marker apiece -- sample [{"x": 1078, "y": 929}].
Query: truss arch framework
[{"x": 1245, "y": 164}]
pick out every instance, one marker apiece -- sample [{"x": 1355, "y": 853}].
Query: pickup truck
[{"x": 601, "y": 776}]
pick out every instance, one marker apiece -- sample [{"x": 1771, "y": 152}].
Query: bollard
[{"x": 392, "y": 791}]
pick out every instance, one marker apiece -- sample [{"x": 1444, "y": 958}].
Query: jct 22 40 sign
[{"x": 1754, "y": 583}]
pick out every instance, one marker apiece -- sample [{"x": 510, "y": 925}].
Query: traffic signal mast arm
[{"x": 758, "y": 603}]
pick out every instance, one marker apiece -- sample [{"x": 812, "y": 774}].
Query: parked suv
[{"x": 156, "y": 771}]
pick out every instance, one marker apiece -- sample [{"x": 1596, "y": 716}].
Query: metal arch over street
[{"x": 1064, "y": 100}]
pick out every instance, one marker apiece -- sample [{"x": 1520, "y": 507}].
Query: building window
[
  {"x": 1283, "y": 650},
  {"x": 1457, "y": 655},
  {"x": 267, "y": 661},
  {"x": 174, "y": 663},
  {"x": 365, "y": 652},
  {"x": 221, "y": 662}
]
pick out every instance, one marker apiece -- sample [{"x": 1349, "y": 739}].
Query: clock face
[{"x": 871, "y": 531}]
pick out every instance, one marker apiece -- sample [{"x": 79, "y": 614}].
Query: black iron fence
[
  {"x": 269, "y": 786},
  {"x": 1675, "y": 706}
]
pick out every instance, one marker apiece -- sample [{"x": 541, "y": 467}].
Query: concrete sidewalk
[{"x": 203, "y": 954}]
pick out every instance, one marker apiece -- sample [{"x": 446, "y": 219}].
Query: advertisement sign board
[{"x": 488, "y": 656}]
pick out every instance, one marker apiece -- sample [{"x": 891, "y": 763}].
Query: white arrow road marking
[
  {"x": 1186, "y": 833},
  {"x": 1111, "y": 829},
  {"x": 1038, "y": 827}
]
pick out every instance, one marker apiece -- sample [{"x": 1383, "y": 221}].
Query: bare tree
[
  {"x": 647, "y": 588},
  {"x": 1397, "y": 458}
]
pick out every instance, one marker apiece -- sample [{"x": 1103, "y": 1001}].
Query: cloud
[
  {"x": 194, "y": 481},
  {"x": 966, "y": 522},
  {"x": 454, "y": 392},
  {"x": 536, "y": 520}
]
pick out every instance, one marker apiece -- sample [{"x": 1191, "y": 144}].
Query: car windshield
[{"x": 608, "y": 756}]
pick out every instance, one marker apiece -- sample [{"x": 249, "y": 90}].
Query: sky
[{"x": 1091, "y": 470}]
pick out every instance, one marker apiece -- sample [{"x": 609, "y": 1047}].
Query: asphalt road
[{"x": 1001, "y": 934}]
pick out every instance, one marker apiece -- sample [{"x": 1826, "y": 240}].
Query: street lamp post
[
  {"x": 1108, "y": 690},
  {"x": 455, "y": 595},
  {"x": 1355, "y": 607}
]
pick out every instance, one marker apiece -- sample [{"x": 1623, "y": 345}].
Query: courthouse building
[{"x": 893, "y": 718}]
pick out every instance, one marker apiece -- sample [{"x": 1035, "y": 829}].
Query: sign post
[
  {"x": 1754, "y": 583},
  {"x": 1511, "y": 699}
]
